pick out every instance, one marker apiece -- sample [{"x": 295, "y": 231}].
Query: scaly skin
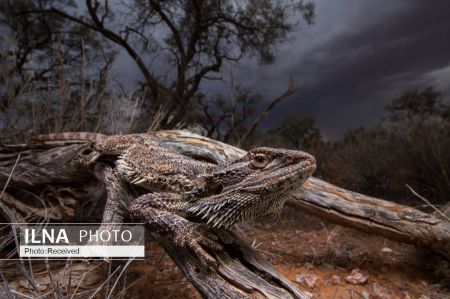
[
  {"x": 70, "y": 136},
  {"x": 140, "y": 160},
  {"x": 102, "y": 145},
  {"x": 158, "y": 169}
]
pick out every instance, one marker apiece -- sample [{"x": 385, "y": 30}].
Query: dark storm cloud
[{"x": 358, "y": 56}]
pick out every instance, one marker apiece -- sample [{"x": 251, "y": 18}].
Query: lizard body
[
  {"x": 159, "y": 169},
  {"x": 140, "y": 160},
  {"x": 185, "y": 196}
]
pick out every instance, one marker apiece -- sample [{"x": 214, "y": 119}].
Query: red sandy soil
[{"x": 298, "y": 244}]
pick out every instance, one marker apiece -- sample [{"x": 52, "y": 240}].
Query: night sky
[
  {"x": 355, "y": 58},
  {"x": 358, "y": 55}
]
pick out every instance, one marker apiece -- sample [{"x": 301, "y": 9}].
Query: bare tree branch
[
  {"x": 292, "y": 89},
  {"x": 154, "y": 85}
]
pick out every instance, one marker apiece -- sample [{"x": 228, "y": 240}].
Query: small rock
[
  {"x": 309, "y": 280},
  {"x": 424, "y": 297},
  {"x": 336, "y": 279},
  {"x": 386, "y": 250},
  {"x": 365, "y": 294},
  {"x": 357, "y": 277}
]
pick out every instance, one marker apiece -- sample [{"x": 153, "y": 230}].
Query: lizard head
[
  {"x": 265, "y": 179},
  {"x": 278, "y": 169},
  {"x": 259, "y": 161}
]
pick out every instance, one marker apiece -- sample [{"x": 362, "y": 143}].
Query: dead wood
[
  {"x": 373, "y": 215},
  {"x": 44, "y": 172},
  {"x": 241, "y": 272}
]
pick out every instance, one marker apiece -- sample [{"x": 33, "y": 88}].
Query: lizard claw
[
  {"x": 196, "y": 237},
  {"x": 86, "y": 158}
]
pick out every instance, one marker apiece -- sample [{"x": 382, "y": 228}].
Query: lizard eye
[
  {"x": 260, "y": 161},
  {"x": 289, "y": 159}
]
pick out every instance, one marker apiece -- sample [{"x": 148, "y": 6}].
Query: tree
[
  {"x": 233, "y": 119},
  {"x": 52, "y": 65},
  {"x": 299, "y": 132},
  {"x": 414, "y": 103},
  {"x": 421, "y": 124},
  {"x": 187, "y": 42},
  {"x": 226, "y": 119},
  {"x": 411, "y": 148}
]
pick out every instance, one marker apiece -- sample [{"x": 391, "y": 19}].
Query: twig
[
  {"x": 54, "y": 283},
  {"x": 427, "y": 201},
  {"x": 5, "y": 287},
  {"x": 81, "y": 277},
  {"x": 118, "y": 277},
  {"x": 103, "y": 284},
  {"x": 9, "y": 177}
]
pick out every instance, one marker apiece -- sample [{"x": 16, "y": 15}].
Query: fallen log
[
  {"x": 242, "y": 271},
  {"x": 373, "y": 215}
]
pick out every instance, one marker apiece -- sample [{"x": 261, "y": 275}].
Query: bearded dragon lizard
[{"x": 255, "y": 185}]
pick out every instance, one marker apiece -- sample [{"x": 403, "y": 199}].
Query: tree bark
[{"x": 373, "y": 215}]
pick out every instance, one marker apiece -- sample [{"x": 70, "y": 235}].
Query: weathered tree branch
[
  {"x": 98, "y": 26},
  {"x": 373, "y": 215},
  {"x": 241, "y": 271}
]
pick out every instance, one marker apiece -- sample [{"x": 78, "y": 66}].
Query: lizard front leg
[
  {"x": 158, "y": 210},
  {"x": 117, "y": 196}
]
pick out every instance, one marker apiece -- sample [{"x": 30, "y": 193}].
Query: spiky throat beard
[
  {"x": 228, "y": 209},
  {"x": 250, "y": 200}
]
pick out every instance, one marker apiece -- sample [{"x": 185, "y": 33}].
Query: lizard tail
[{"x": 69, "y": 136}]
